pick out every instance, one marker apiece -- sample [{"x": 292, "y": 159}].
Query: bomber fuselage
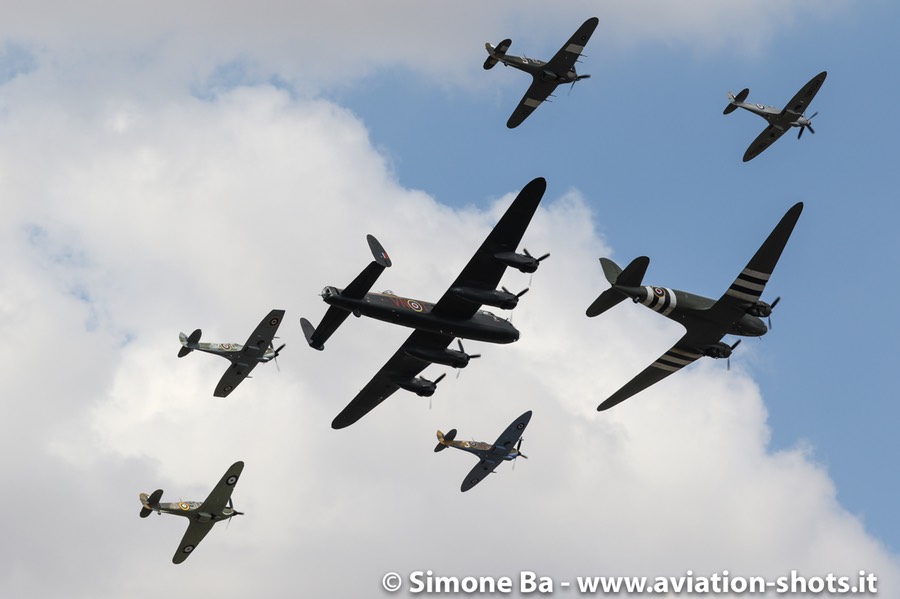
[{"x": 482, "y": 326}]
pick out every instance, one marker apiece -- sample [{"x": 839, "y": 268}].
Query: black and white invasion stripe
[
  {"x": 675, "y": 359},
  {"x": 749, "y": 285},
  {"x": 660, "y": 299}
]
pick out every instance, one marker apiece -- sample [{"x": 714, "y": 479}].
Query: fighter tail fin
[
  {"x": 735, "y": 100},
  {"x": 496, "y": 53},
  {"x": 632, "y": 276},
  {"x": 443, "y": 440},
  {"x": 188, "y": 344},
  {"x": 150, "y": 502}
]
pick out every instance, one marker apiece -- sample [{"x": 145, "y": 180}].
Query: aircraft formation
[{"x": 458, "y": 314}]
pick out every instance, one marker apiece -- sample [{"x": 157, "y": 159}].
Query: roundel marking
[
  {"x": 414, "y": 305},
  {"x": 184, "y": 506},
  {"x": 273, "y": 322},
  {"x": 659, "y": 291},
  {"x": 231, "y": 480},
  {"x": 760, "y": 106},
  {"x": 227, "y": 388},
  {"x": 187, "y": 549},
  {"x": 520, "y": 426},
  {"x": 474, "y": 481},
  {"x": 225, "y": 345}
]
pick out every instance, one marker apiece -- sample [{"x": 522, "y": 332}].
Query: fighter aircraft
[
  {"x": 547, "y": 75},
  {"x": 780, "y": 120},
  {"x": 738, "y": 312},
  {"x": 244, "y": 358},
  {"x": 507, "y": 447},
  {"x": 456, "y": 314},
  {"x": 201, "y": 516}
]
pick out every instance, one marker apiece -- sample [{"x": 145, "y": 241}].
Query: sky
[{"x": 172, "y": 167}]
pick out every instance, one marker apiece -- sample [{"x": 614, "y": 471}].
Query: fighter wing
[
  {"x": 261, "y": 338},
  {"x": 769, "y": 136},
  {"x": 193, "y": 535},
  {"x": 565, "y": 59},
  {"x": 672, "y": 361},
  {"x": 537, "y": 92},
  {"x": 218, "y": 498},
  {"x": 401, "y": 367},
  {"x": 236, "y": 373},
  {"x": 801, "y": 100},
  {"x": 484, "y": 270},
  {"x": 749, "y": 285},
  {"x": 481, "y": 470},
  {"x": 514, "y": 431}
]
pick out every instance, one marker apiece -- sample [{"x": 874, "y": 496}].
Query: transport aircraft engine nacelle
[
  {"x": 490, "y": 297},
  {"x": 760, "y": 309},
  {"x": 446, "y": 357},
  {"x": 719, "y": 350}
]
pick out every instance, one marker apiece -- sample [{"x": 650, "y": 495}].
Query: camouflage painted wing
[
  {"x": 537, "y": 92},
  {"x": 221, "y": 493},
  {"x": 765, "y": 139},
  {"x": 237, "y": 372},
  {"x": 513, "y": 432},
  {"x": 670, "y": 362},
  {"x": 195, "y": 532},
  {"x": 750, "y": 284},
  {"x": 484, "y": 271},
  {"x": 477, "y": 474},
  {"x": 565, "y": 59},
  {"x": 801, "y": 100},
  {"x": 401, "y": 367}
]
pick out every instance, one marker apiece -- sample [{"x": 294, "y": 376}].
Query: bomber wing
[
  {"x": 801, "y": 100},
  {"x": 193, "y": 535},
  {"x": 672, "y": 361},
  {"x": 765, "y": 139},
  {"x": 484, "y": 270},
  {"x": 401, "y": 367}
]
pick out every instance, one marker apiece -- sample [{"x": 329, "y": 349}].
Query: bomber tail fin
[
  {"x": 188, "y": 344},
  {"x": 443, "y": 440},
  {"x": 357, "y": 289},
  {"x": 735, "y": 100},
  {"x": 495, "y": 53},
  {"x": 632, "y": 276}
]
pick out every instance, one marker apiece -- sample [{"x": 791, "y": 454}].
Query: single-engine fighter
[
  {"x": 780, "y": 120},
  {"x": 201, "y": 516},
  {"x": 739, "y": 312},
  {"x": 507, "y": 447},
  {"x": 244, "y": 358},
  {"x": 547, "y": 75},
  {"x": 456, "y": 314}
]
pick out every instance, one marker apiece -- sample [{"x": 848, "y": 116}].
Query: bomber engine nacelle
[
  {"x": 447, "y": 357},
  {"x": 720, "y": 349},
  {"x": 499, "y": 298},
  {"x": 420, "y": 386},
  {"x": 762, "y": 309},
  {"x": 522, "y": 262}
]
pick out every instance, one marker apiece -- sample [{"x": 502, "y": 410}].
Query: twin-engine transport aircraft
[
  {"x": 202, "y": 516},
  {"x": 547, "y": 75},
  {"x": 507, "y": 447},
  {"x": 780, "y": 120},
  {"x": 456, "y": 314},
  {"x": 244, "y": 358},
  {"x": 738, "y": 312}
]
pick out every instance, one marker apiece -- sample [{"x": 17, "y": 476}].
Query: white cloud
[{"x": 128, "y": 221}]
